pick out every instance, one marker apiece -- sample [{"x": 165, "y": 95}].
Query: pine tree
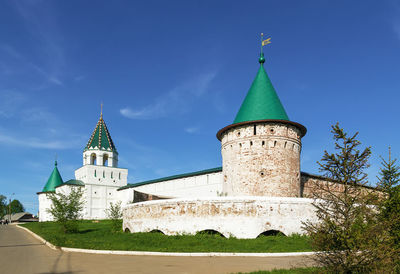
[
  {"x": 346, "y": 229},
  {"x": 388, "y": 181},
  {"x": 389, "y": 174}
]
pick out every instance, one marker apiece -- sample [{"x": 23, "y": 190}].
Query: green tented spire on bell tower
[
  {"x": 54, "y": 180},
  {"x": 261, "y": 102}
]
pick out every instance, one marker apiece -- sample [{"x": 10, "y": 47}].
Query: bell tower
[
  {"x": 100, "y": 149},
  {"x": 100, "y": 172}
]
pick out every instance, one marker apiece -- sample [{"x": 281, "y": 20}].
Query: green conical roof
[
  {"x": 261, "y": 102},
  {"x": 54, "y": 180},
  {"x": 101, "y": 138}
]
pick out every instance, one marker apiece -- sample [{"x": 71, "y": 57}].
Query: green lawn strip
[
  {"x": 305, "y": 270},
  {"x": 99, "y": 236}
]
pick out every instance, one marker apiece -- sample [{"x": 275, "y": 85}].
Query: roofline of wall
[
  {"x": 303, "y": 129},
  {"x": 42, "y": 192},
  {"x": 214, "y": 170},
  {"x": 173, "y": 177},
  {"x": 330, "y": 180},
  {"x": 70, "y": 184}
]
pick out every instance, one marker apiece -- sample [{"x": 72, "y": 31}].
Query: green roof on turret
[
  {"x": 261, "y": 102},
  {"x": 101, "y": 138},
  {"x": 54, "y": 180}
]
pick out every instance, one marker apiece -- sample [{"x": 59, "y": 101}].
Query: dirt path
[{"x": 22, "y": 253}]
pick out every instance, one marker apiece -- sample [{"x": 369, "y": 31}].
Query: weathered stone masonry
[{"x": 261, "y": 159}]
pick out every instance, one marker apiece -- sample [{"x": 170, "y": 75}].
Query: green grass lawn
[{"x": 99, "y": 236}]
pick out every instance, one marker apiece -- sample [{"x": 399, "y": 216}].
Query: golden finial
[{"x": 101, "y": 110}]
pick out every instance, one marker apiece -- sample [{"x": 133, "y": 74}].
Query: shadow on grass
[{"x": 85, "y": 231}]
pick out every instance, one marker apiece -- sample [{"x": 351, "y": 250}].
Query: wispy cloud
[
  {"x": 10, "y": 101},
  {"x": 396, "y": 28},
  {"x": 15, "y": 62},
  {"x": 395, "y": 20},
  {"x": 23, "y": 141},
  {"x": 41, "y": 23},
  {"x": 176, "y": 100},
  {"x": 192, "y": 130}
]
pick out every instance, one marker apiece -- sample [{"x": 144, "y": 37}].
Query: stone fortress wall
[
  {"x": 241, "y": 217},
  {"x": 261, "y": 159}
]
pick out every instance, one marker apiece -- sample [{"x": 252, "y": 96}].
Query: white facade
[
  {"x": 44, "y": 205},
  {"x": 101, "y": 184},
  {"x": 202, "y": 185}
]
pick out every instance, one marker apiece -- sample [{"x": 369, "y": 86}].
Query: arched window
[
  {"x": 93, "y": 159},
  {"x": 105, "y": 159}
]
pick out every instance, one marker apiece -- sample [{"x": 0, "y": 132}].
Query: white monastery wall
[
  {"x": 241, "y": 217},
  {"x": 204, "y": 185}
]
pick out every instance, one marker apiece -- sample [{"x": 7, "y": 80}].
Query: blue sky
[{"x": 172, "y": 73}]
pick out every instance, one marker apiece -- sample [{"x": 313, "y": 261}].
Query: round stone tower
[{"x": 261, "y": 149}]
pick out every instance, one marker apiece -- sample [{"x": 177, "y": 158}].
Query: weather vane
[{"x": 264, "y": 42}]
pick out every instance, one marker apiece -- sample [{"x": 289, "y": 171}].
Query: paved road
[{"x": 22, "y": 253}]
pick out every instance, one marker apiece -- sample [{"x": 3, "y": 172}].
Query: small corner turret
[{"x": 54, "y": 180}]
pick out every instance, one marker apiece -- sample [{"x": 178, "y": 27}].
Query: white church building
[{"x": 99, "y": 175}]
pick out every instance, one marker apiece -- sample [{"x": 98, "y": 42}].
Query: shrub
[
  {"x": 114, "y": 213},
  {"x": 66, "y": 209}
]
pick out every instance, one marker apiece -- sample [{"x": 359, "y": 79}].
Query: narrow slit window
[
  {"x": 111, "y": 175},
  {"x": 104, "y": 174},
  {"x": 94, "y": 173},
  {"x": 119, "y": 176},
  {"x": 255, "y": 130}
]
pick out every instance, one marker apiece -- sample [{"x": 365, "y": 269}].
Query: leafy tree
[
  {"x": 16, "y": 206},
  {"x": 3, "y": 206},
  {"x": 347, "y": 232},
  {"x": 66, "y": 208},
  {"x": 114, "y": 212}
]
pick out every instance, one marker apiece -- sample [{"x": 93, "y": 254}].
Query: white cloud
[
  {"x": 176, "y": 100},
  {"x": 23, "y": 141},
  {"x": 191, "y": 130}
]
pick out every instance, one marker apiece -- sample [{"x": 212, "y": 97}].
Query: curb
[
  {"x": 39, "y": 238},
  {"x": 171, "y": 254}
]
